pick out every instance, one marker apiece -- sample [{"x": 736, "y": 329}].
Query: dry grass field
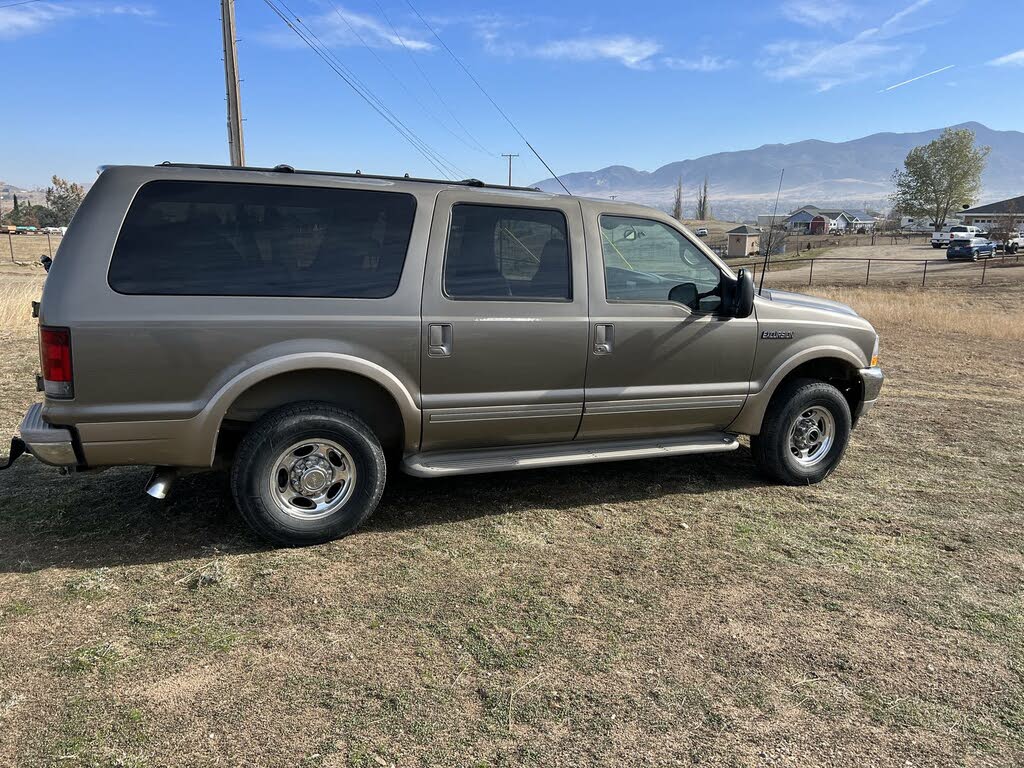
[
  {"x": 669, "y": 612},
  {"x": 26, "y": 249}
]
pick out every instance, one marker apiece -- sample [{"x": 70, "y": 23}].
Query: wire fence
[
  {"x": 839, "y": 270},
  {"x": 28, "y": 247}
]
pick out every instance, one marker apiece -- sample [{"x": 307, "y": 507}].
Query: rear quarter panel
[{"x": 160, "y": 359}]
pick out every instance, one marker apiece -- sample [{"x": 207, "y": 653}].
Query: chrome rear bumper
[{"x": 51, "y": 445}]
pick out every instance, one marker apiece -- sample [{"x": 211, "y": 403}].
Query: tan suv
[{"x": 311, "y": 329}]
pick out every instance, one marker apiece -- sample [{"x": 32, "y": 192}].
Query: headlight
[{"x": 874, "y": 353}]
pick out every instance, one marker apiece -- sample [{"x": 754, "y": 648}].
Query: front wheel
[
  {"x": 804, "y": 433},
  {"x": 308, "y": 473}
]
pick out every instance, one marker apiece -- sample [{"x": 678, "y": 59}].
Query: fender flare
[
  {"x": 749, "y": 420},
  {"x": 208, "y": 422}
]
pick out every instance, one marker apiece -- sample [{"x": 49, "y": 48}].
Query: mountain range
[{"x": 743, "y": 183}]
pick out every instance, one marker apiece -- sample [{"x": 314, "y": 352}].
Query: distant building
[
  {"x": 767, "y": 220},
  {"x": 810, "y": 219},
  {"x": 743, "y": 241},
  {"x": 995, "y": 214},
  {"x": 861, "y": 220}
]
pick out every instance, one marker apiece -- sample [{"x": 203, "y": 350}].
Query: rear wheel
[
  {"x": 804, "y": 433},
  {"x": 308, "y": 473}
]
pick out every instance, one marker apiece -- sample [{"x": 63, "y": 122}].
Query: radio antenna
[{"x": 771, "y": 231}]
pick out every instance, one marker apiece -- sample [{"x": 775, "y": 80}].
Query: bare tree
[
  {"x": 677, "y": 202},
  {"x": 703, "y": 210},
  {"x": 1006, "y": 226},
  {"x": 773, "y": 238}
]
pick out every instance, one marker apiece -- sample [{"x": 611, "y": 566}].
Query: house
[
  {"x": 800, "y": 220},
  {"x": 813, "y": 220},
  {"x": 996, "y": 215},
  {"x": 768, "y": 220},
  {"x": 861, "y": 220},
  {"x": 743, "y": 241}
]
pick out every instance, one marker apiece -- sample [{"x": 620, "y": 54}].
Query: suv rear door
[
  {"x": 658, "y": 366},
  {"x": 505, "y": 324}
]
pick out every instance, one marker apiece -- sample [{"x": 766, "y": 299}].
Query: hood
[{"x": 802, "y": 300}]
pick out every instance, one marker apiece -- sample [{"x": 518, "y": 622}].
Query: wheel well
[
  {"x": 365, "y": 398},
  {"x": 839, "y": 373}
]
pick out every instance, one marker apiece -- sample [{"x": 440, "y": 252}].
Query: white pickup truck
[
  {"x": 943, "y": 238},
  {"x": 1012, "y": 243}
]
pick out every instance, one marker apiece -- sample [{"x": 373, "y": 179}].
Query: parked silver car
[{"x": 313, "y": 329}]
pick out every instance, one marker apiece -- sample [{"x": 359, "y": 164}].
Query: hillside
[{"x": 744, "y": 182}]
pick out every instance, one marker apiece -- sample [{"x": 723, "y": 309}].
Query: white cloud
[
  {"x": 629, "y": 51},
  {"x": 817, "y": 13},
  {"x": 703, "y": 64},
  {"x": 34, "y": 18},
  {"x": 341, "y": 27},
  {"x": 873, "y": 52},
  {"x": 1015, "y": 59},
  {"x": 495, "y": 32}
]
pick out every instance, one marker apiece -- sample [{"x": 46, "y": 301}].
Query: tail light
[{"x": 55, "y": 357}]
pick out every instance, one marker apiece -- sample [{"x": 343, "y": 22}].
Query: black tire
[
  {"x": 771, "y": 449},
  {"x": 253, "y": 472},
  {"x": 936, "y": 245}
]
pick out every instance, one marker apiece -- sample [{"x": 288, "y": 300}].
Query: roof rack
[{"x": 357, "y": 175}]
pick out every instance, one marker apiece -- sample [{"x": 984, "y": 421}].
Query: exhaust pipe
[{"x": 160, "y": 482}]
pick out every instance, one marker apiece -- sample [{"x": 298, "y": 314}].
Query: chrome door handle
[
  {"x": 439, "y": 340},
  {"x": 604, "y": 338}
]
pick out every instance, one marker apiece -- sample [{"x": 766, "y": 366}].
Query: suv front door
[
  {"x": 663, "y": 360},
  {"x": 505, "y": 325}
]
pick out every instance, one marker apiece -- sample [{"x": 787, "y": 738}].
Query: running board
[{"x": 441, "y": 463}]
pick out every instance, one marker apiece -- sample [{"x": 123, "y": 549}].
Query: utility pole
[
  {"x": 509, "y": 156},
  {"x": 234, "y": 96}
]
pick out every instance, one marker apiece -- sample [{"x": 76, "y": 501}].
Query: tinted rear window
[{"x": 223, "y": 239}]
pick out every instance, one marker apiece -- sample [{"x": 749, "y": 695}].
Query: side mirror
[
  {"x": 743, "y": 294},
  {"x": 685, "y": 294}
]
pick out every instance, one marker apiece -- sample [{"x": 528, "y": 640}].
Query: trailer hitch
[{"x": 18, "y": 448}]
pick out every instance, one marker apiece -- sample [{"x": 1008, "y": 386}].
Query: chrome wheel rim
[
  {"x": 312, "y": 479},
  {"x": 812, "y": 435}
]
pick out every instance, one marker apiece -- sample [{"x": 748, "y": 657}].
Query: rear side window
[
  {"x": 496, "y": 252},
  {"x": 221, "y": 239}
]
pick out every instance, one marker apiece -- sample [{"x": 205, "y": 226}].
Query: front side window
[
  {"x": 496, "y": 252},
  {"x": 192, "y": 238},
  {"x": 646, "y": 260}
]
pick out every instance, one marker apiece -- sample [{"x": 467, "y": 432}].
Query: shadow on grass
[{"x": 105, "y": 519}]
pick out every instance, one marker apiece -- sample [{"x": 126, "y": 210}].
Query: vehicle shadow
[{"x": 105, "y": 520}]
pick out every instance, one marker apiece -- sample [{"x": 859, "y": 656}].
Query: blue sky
[{"x": 589, "y": 83}]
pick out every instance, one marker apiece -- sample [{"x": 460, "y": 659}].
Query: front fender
[{"x": 749, "y": 420}]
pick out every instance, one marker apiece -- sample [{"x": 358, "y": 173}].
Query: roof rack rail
[{"x": 282, "y": 168}]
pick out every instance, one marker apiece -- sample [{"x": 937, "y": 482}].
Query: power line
[
  {"x": 436, "y": 159},
  {"x": 23, "y": 2},
  {"x": 485, "y": 93},
  {"x": 364, "y": 93},
  {"x": 398, "y": 80},
  {"x": 428, "y": 81}
]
